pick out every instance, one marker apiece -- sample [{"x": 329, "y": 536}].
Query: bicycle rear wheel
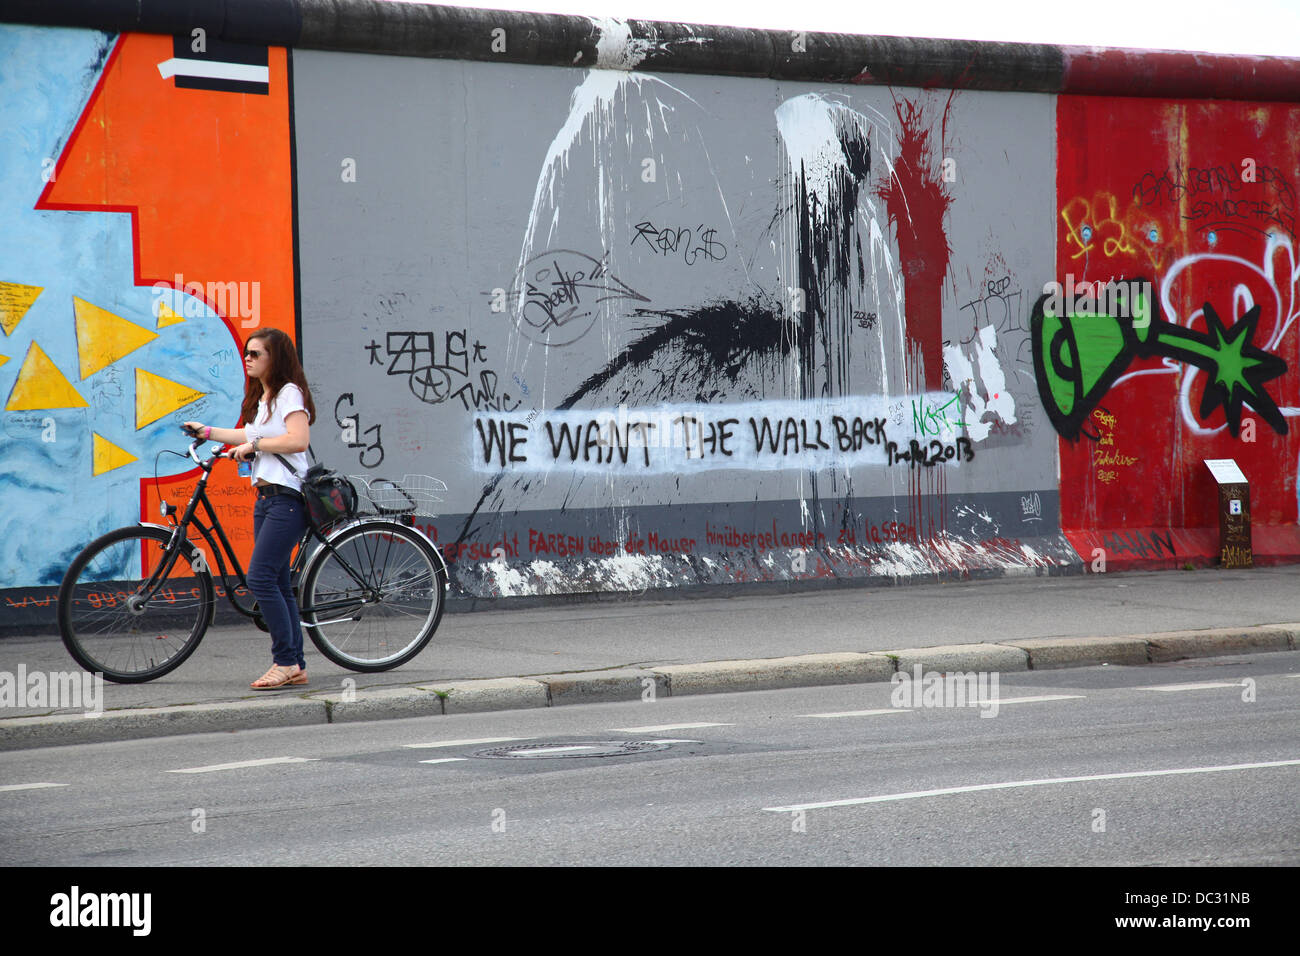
[
  {"x": 109, "y": 627},
  {"x": 381, "y": 612}
]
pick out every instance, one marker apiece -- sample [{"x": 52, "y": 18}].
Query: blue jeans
[{"x": 278, "y": 523}]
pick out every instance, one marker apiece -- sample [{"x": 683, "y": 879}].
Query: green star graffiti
[{"x": 1079, "y": 353}]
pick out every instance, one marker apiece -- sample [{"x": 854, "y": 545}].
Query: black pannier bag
[{"x": 330, "y": 496}]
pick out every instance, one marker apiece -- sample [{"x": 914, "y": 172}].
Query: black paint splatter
[
  {"x": 829, "y": 249},
  {"x": 702, "y": 348}
]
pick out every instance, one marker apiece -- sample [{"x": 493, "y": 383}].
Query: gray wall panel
[{"x": 527, "y": 248}]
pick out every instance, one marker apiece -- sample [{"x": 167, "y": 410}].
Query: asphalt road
[{"x": 1181, "y": 764}]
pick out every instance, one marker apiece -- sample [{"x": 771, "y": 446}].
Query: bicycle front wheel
[
  {"x": 125, "y": 613},
  {"x": 374, "y": 600}
]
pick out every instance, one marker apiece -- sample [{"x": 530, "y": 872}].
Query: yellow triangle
[
  {"x": 41, "y": 385},
  {"x": 108, "y": 456},
  {"x": 15, "y": 300},
  {"x": 103, "y": 338},
  {"x": 3, "y": 359},
  {"x": 168, "y": 316},
  {"x": 156, "y": 396}
]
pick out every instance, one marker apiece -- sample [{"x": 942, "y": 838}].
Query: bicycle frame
[{"x": 179, "y": 536}]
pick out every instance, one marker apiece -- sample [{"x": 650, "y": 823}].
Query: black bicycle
[{"x": 371, "y": 588}]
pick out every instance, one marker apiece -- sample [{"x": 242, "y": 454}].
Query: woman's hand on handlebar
[{"x": 201, "y": 432}]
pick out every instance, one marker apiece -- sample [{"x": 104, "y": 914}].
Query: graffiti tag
[
  {"x": 556, "y": 295},
  {"x": 693, "y": 245}
]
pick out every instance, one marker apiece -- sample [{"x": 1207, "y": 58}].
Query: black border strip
[{"x": 293, "y": 207}]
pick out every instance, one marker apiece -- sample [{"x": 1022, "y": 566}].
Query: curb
[
  {"x": 635, "y": 684},
  {"x": 19, "y": 733}
]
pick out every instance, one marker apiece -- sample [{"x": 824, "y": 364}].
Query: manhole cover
[{"x": 579, "y": 748}]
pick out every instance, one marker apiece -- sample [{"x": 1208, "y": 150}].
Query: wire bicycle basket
[{"x": 417, "y": 495}]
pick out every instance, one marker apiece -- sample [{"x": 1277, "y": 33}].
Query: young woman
[{"x": 277, "y": 413}]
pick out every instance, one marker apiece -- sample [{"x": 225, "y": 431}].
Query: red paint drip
[{"x": 917, "y": 201}]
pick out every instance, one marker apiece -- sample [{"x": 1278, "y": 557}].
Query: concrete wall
[
  {"x": 653, "y": 326},
  {"x": 1198, "y": 197}
]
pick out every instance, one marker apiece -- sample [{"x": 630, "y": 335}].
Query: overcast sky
[{"x": 1224, "y": 26}]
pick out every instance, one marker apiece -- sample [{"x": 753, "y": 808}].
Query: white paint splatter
[
  {"x": 808, "y": 127},
  {"x": 616, "y": 49},
  {"x": 620, "y": 126},
  {"x": 508, "y": 581},
  {"x": 902, "y": 561},
  {"x": 981, "y": 384}
]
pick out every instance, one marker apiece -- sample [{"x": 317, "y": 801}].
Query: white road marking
[
  {"x": 1030, "y": 700},
  {"x": 264, "y": 762},
  {"x": 444, "y": 760},
  {"x": 468, "y": 743},
  {"x": 1202, "y": 686},
  {"x": 551, "y": 750},
  {"x": 674, "y": 741},
  {"x": 992, "y": 700},
  {"x": 31, "y": 786},
  {"x": 663, "y": 727},
  {"x": 916, "y": 794}
]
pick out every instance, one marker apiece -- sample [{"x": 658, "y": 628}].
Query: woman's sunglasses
[{"x": 252, "y": 353}]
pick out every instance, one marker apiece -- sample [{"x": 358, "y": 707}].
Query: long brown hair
[{"x": 285, "y": 368}]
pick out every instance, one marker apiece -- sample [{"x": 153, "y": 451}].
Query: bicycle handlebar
[{"x": 224, "y": 453}]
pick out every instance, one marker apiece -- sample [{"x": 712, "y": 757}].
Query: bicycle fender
[
  {"x": 379, "y": 519},
  {"x": 446, "y": 572}
]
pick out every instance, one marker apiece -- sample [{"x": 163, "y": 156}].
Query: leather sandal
[{"x": 279, "y": 676}]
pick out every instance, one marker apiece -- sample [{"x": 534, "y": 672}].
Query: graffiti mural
[
  {"x": 688, "y": 305},
  {"x": 131, "y": 274},
  {"x": 700, "y": 322},
  {"x": 1080, "y": 352},
  {"x": 1179, "y": 249}
]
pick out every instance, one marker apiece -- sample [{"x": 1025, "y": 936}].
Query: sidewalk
[{"x": 626, "y": 650}]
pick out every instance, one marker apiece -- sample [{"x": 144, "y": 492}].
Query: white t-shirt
[{"x": 266, "y": 466}]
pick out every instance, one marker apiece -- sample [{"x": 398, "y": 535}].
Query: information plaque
[{"x": 1235, "y": 549}]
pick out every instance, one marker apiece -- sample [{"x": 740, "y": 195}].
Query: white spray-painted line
[
  {"x": 663, "y": 727},
  {"x": 445, "y": 760},
  {"x": 672, "y": 741},
  {"x": 1029, "y": 700},
  {"x": 863, "y": 713},
  {"x": 264, "y": 762},
  {"x": 1206, "y": 685},
  {"x": 1013, "y": 784},
  {"x": 552, "y": 750},
  {"x": 467, "y": 742},
  {"x": 32, "y": 786}
]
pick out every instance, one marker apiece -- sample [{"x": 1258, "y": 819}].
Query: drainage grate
[{"x": 579, "y": 748}]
